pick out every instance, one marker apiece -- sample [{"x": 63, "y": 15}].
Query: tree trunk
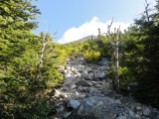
[
  {"x": 116, "y": 66},
  {"x": 44, "y": 43},
  {"x": 115, "y": 43}
]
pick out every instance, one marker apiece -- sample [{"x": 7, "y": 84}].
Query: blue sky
[{"x": 68, "y": 17}]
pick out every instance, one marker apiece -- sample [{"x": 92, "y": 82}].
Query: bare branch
[
  {"x": 147, "y": 10},
  {"x": 114, "y": 40}
]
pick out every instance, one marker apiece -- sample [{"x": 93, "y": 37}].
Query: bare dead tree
[
  {"x": 45, "y": 41},
  {"x": 99, "y": 32},
  {"x": 113, "y": 38},
  {"x": 147, "y": 11}
]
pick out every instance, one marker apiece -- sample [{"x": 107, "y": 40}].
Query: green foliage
[
  {"x": 92, "y": 56},
  {"x": 27, "y": 109},
  {"x": 15, "y": 27},
  {"x": 98, "y": 47},
  {"x": 21, "y": 90},
  {"x": 23, "y": 83},
  {"x": 29, "y": 63},
  {"x": 140, "y": 56},
  {"x": 104, "y": 47},
  {"x": 61, "y": 53},
  {"x": 125, "y": 79}
]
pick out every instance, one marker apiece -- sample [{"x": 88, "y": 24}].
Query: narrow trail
[{"x": 87, "y": 94}]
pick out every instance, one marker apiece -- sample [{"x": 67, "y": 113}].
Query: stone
[
  {"x": 157, "y": 117},
  {"x": 83, "y": 89},
  {"x": 94, "y": 91},
  {"x": 67, "y": 115},
  {"x": 137, "y": 116},
  {"x": 138, "y": 108},
  {"x": 85, "y": 95},
  {"x": 88, "y": 69},
  {"x": 100, "y": 75},
  {"x": 147, "y": 112},
  {"x": 118, "y": 101},
  {"x": 74, "y": 104},
  {"x": 98, "y": 86},
  {"x": 121, "y": 117},
  {"x": 82, "y": 83},
  {"x": 85, "y": 74},
  {"x": 90, "y": 83},
  {"x": 69, "y": 77},
  {"x": 68, "y": 68},
  {"x": 106, "y": 86},
  {"x": 65, "y": 88},
  {"x": 77, "y": 75},
  {"x": 74, "y": 70},
  {"x": 131, "y": 113},
  {"x": 90, "y": 76},
  {"x": 95, "y": 107},
  {"x": 61, "y": 109},
  {"x": 57, "y": 93},
  {"x": 73, "y": 86}
]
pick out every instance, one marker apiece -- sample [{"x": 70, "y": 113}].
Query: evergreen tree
[
  {"x": 142, "y": 56},
  {"x": 21, "y": 95},
  {"x": 15, "y": 27}
]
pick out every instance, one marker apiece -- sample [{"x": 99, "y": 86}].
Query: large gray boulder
[
  {"x": 96, "y": 108},
  {"x": 74, "y": 104},
  {"x": 100, "y": 75}
]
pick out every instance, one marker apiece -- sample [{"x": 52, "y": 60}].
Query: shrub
[
  {"x": 92, "y": 56},
  {"x": 124, "y": 76}
]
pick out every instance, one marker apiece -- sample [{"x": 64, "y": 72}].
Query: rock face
[{"x": 88, "y": 94}]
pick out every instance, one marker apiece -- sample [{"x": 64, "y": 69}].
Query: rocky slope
[{"x": 87, "y": 94}]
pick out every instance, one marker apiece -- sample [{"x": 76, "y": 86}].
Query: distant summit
[
  {"x": 88, "y": 37},
  {"x": 92, "y": 37}
]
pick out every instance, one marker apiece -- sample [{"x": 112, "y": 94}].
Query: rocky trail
[{"x": 87, "y": 94}]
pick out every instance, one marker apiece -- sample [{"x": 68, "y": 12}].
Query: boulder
[
  {"x": 83, "y": 83},
  {"x": 147, "y": 112},
  {"x": 66, "y": 115},
  {"x": 88, "y": 69},
  {"x": 121, "y": 117},
  {"x": 106, "y": 86},
  {"x": 69, "y": 76},
  {"x": 94, "y": 91},
  {"x": 73, "y": 104},
  {"x": 138, "y": 108},
  {"x": 90, "y": 75},
  {"x": 100, "y": 75},
  {"x": 157, "y": 117},
  {"x": 95, "y": 107}
]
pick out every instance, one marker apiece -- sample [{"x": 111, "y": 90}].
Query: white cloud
[{"x": 89, "y": 28}]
